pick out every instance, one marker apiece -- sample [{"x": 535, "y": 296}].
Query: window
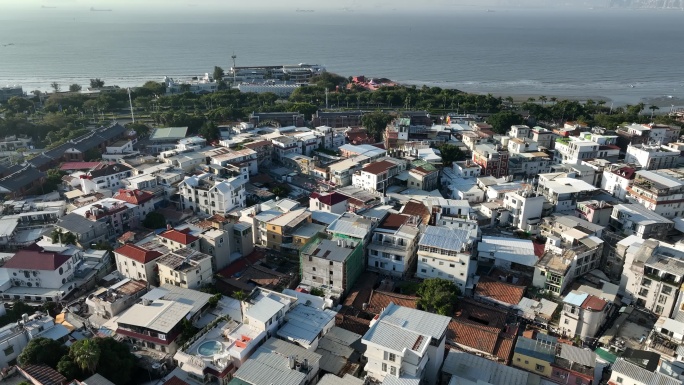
[
  {"x": 313, "y": 269},
  {"x": 659, "y": 309},
  {"x": 566, "y": 321},
  {"x": 9, "y": 350},
  {"x": 424, "y": 259},
  {"x": 393, "y": 370},
  {"x": 331, "y": 263},
  {"x": 539, "y": 368},
  {"x": 619, "y": 380},
  {"x": 384, "y": 367},
  {"x": 452, "y": 265},
  {"x": 423, "y": 270},
  {"x": 392, "y": 357},
  {"x": 310, "y": 258}
]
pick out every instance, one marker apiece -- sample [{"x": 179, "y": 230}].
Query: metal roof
[
  {"x": 264, "y": 308},
  {"x": 624, "y": 368},
  {"x": 510, "y": 249},
  {"x": 640, "y": 214},
  {"x": 169, "y": 133},
  {"x": 395, "y": 337},
  {"x": 351, "y": 225},
  {"x": 328, "y": 249},
  {"x": 474, "y": 368},
  {"x": 581, "y": 356},
  {"x": 266, "y": 368},
  {"x": 331, "y": 379},
  {"x": 444, "y": 238},
  {"x": 305, "y": 323},
  {"x": 160, "y": 315},
  {"x": 422, "y": 322},
  {"x": 575, "y": 298},
  {"x": 540, "y": 349}
]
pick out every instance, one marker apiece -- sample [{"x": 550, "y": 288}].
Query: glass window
[{"x": 384, "y": 367}]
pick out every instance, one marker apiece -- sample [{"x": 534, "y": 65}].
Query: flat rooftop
[{"x": 160, "y": 315}]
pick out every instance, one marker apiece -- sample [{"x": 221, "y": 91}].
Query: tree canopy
[
  {"x": 438, "y": 295},
  {"x": 43, "y": 351},
  {"x": 86, "y": 354},
  {"x": 97, "y": 83},
  {"x": 74, "y": 88},
  {"x": 376, "y": 122},
  {"x": 502, "y": 121},
  {"x": 450, "y": 153},
  {"x": 154, "y": 220}
]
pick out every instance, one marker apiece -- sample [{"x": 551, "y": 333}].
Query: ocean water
[{"x": 590, "y": 53}]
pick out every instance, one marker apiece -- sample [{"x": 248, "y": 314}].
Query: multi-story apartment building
[
  {"x": 573, "y": 150},
  {"x": 280, "y": 231},
  {"x": 334, "y": 202},
  {"x": 378, "y": 176},
  {"x": 335, "y": 263},
  {"x": 653, "y": 275},
  {"x": 492, "y": 158},
  {"x": 529, "y": 164},
  {"x": 661, "y": 191},
  {"x": 447, "y": 253},
  {"x": 246, "y": 158},
  {"x": 284, "y": 146},
  {"x": 186, "y": 268},
  {"x": 406, "y": 343},
  {"x": 594, "y": 211},
  {"x": 617, "y": 179},
  {"x": 652, "y": 157},
  {"x": 136, "y": 262},
  {"x": 212, "y": 195},
  {"x": 285, "y": 119},
  {"x": 423, "y": 176},
  {"x": 634, "y": 219},
  {"x": 624, "y": 371},
  {"x": 519, "y": 131},
  {"x": 119, "y": 215},
  {"x": 525, "y": 208},
  {"x": 86, "y": 230},
  {"x": 392, "y": 249},
  {"x": 109, "y": 302},
  {"x": 566, "y": 259},
  {"x": 562, "y": 192},
  {"x": 583, "y": 315}
]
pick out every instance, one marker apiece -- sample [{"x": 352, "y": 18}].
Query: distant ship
[
  {"x": 46, "y": 7},
  {"x": 99, "y": 10},
  {"x": 305, "y": 10},
  {"x": 491, "y": 10}
]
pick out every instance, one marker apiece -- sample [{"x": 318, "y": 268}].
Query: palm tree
[
  {"x": 509, "y": 99},
  {"x": 542, "y": 99},
  {"x": 653, "y": 109},
  {"x": 531, "y": 100},
  {"x": 86, "y": 354},
  {"x": 55, "y": 86},
  {"x": 553, "y": 99}
]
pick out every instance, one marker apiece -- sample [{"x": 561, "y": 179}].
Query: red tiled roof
[
  {"x": 499, "y": 291},
  {"x": 175, "y": 381},
  {"x": 594, "y": 303},
  {"x": 394, "y": 221},
  {"x": 481, "y": 313},
  {"x": 138, "y": 254},
  {"x": 36, "y": 260},
  {"x": 44, "y": 374},
  {"x": 135, "y": 197},
  {"x": 504, "y": 347},
  {"x": 330, "y": 199},
  {"x": 68, "y": 166},
  {"x": 625, "y": 172},
  {"x": 473, "y": 335},
  {"x": 381, "y": 299},
  {"x": 378, "y": 167},
  {"x": 418, "y": 209},
  {"x": 180, "y": 236}
]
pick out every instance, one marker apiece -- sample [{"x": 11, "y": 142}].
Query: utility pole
[
  {"x": 130, "y": 103},
  {"x": 234, "y": 70},
  {"x": 326, "y": 98}
]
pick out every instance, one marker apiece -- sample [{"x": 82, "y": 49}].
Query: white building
[
  {"x": 196, "y": 85},
  {"x": 652, "y": 157},
  {"x": 135, "y": 262},
  {"x": 305, "y": 325},
  {"x": 240, "y": 158},
  {"x": 279, "y": 362},
  {"x": 525, "y": 209},
  {"x": 393, "y": 245},
  {"x": 186, "y": 268},
  {"x": 378, "y": 176},
  {"x": 105, "y": 177},
  {"x": 617, "y": 179},
  {"x": 573, "y": 150},
  {"x": 211, "y": 195},
  {"x": 334, "y": 202},
  {"x": 660, "y": 191},
  {"x": 447, "y": 253},
  {"x": 563, "y": 192},
  {"x": 497, "y": 251},
  {"x": 582, "y": 315},
  {"x": 406, "y": 344},
  {"x": 15, "y": 336},
  {"x": 265, "y": 309},
  {"x": 625, "y": 372}
]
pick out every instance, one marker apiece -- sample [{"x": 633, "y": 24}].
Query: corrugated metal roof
[
  {"x": 404, "y": 380},
  {"x": 474, "y": 368},
  {"x": 444, "y": 238},
  {"x": 394, "y": 337},
  {"x": 578, "y": 355},
  {"x": 575, "y": 298},
  {"x": 419, "y": 321},
  {"x": 305, "y": 323},
  {"x": 623, "y": 368},
  {"x": 331, "y": 379}
]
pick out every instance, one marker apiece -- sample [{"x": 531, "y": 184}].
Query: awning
[
  {"x": 605, "y": 355},
  {"x": 73, "y": 194}
]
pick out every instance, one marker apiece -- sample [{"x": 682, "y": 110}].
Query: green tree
[
  {"x": 58, "y": 236},
  {"x": 376, "y": 122},
  {"x": 214, "y": 300},
  {"x": 68, "y": 368},
  {"x": 239, "y": 295},
  {"x": 55, "y": 86},
  {"x": 450, "y": 153},
  {"x": 154, "y": 220},
  {"x": 542, "y": 99},
  {"x": 141, "y": 129},
  {"x": 92, "y": 154},
  {"x": 438, "y": 295},
  {"x": 281, "y": 191},
  {"x": 97, "y": 83},
  {"x": 18, "y": 105},
  {"x": 653, "y": 109},
  {"x": 86, "y": 354},
  {"x": 116, "y": 361},
  {"x": 218, "y": 73},
  {"x": 42, "y": 351},
  {"x": 502, "y": 121},
  {"x": 307, "y": 109},
  {"x": 74, "y": 88},
  {"x": 209, "y": 131}
]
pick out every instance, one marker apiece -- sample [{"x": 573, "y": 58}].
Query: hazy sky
[{"x": 209, "y": 5}]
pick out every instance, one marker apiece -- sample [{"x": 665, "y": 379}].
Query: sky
[{"x": 317, "y": 5}]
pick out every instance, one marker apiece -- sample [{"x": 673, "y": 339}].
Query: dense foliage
[{"x": 437, "y": 295}]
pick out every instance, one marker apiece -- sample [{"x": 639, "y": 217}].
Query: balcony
[{"x": 391, "y": 245}]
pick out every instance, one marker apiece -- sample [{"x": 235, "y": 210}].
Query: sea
[{"x": 621, "y": 56}]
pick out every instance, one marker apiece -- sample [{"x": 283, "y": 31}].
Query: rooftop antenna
[
  {"x": 130, "y": 103},
  {"x": 233, "y": 57}
]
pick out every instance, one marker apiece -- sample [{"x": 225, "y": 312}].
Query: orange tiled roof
[
  {"x": 381, "y": 299},
  {"x": 499, "y": 291},
  {"x": 135, "y": 197},
  {"x": 138, "y": 254},
  {"x": 418, "y": 209},
  {"x": 181, "y": 236},
  {"x": 504, "y": 347},
  {"x": 473, "y": 335}
]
